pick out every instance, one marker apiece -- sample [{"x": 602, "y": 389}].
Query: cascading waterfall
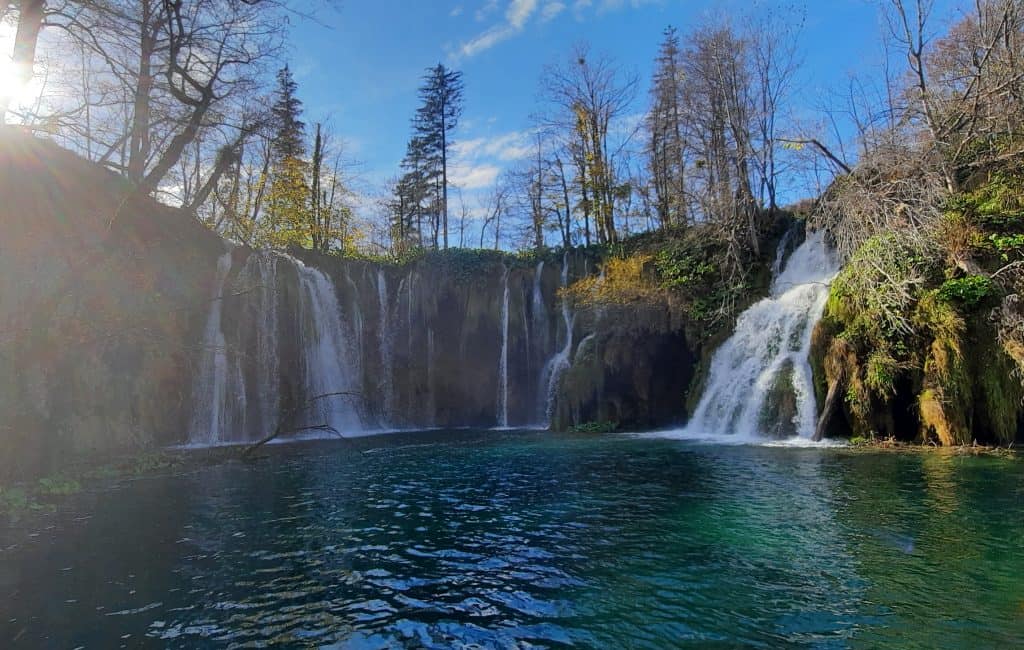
[
  {"x": 760, "y": 378},
  {"x": 222, "y": 390},
  {"x": 503, "y": 359},
  {"x": 258, "y": 279},
  {"x": 211, "y": 411},
  {"x": 780, "y": 253},
  {"x": 357, "y": 314},
  {"x": 384, "y": 335},
  {"x": 558, "y": 363},
  {"x": 408, "y": 315},
  {"x": 431, "y": 400},
  {"x": 327, "y": 363},
  {"x": 277, "y": 305},
  {"x": 539, "y": 310}
]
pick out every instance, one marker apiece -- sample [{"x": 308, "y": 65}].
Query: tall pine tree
[
  {"x": 288, "y": 207},
  {"x": 289, "y": 130},
  {"x": 437, "y": 117}
]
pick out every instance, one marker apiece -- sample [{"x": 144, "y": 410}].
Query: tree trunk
[
  {"x": 177, "y": 146},
  {"x": 828, "y": 412},
  {"x": 30, "y": 22},
  {"x": 225, "y": 158},
  {"x": 139, "y": 143},
  {"x": 444, "y": 173},
  {"x": 567, "y": 235}
]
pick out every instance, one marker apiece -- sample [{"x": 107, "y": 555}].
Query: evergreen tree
[
  {"x": 288, "y": 208},
  {"x": 290, "y": 131},
  {"x": 437, "y": 117},
  {"x": 411, "y": 191}
]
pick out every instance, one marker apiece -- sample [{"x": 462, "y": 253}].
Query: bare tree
[
  {"x": 157, "y": 77},
  {"x": 667, "y": 148},
  {"x": 495, "y": 206},
  {"x": 587, "y": 96}
]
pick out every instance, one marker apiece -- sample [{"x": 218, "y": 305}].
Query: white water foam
[{"x": 765, "y": 362}]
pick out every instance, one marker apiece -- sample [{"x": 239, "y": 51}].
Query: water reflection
[{"x": 510, "y": 539}]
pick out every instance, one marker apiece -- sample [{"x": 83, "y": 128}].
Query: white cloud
[
  {"x": 550, "y": 10},
  {"x": 477, "y": 162},
  {"x": 517, "y": 15},
  {"x": 456, "y": 12},
  {"x": 506, "y": 147},
  {"x": 473, "y": 177},
  {"x": 483, "y": 12},
  {"x": 519, "y": 11},
  {"x": 580, "y": 8},
  {"x": 485, "y": 41}
]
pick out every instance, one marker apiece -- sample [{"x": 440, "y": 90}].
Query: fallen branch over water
[{"x": 282, "y": 427}]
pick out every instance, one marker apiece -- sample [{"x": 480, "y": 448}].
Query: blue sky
[{"x": 361, "y": 67}]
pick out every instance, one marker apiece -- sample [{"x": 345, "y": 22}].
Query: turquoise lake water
[{"x": 528, "y": 539}]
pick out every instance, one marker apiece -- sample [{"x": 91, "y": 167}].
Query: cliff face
[
  {"x": 100, "y": 296},
  {"x": 458, "y": 339},
  {"x": 955, "y": 389},
  {"x": 463, "y": 338},
  {"x": 455, "y": 340},
  {"x": 632, "y": 367},
  {"x": 928, "y": 360},
  {"x": 127, "y": 324}
]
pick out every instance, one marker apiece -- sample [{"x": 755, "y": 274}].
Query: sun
[{"x": 14, "y": 90}]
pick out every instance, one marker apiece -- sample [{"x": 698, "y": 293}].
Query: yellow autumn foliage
[{"x": 624, "y": 281}]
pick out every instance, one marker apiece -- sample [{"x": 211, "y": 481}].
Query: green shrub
[
  {"x": 968, "y": 291},
  {"x": 875, "y": 293},
  {"x": 681, "y": 270},
  {"x": 1007, "y": 245}
]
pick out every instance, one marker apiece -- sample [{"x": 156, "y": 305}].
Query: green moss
[
  {"x": 595, "y": 427},
  {"x": 58, "y": 486},
  {"x": 881, "y": 373},
  {"x": 1001, "y": 400},
  {"x": 876, "y": 291},
  {"x": 16, "y": 502},
  {"x": 862, "y": 441},
  {"x": 996, "y": 204}
]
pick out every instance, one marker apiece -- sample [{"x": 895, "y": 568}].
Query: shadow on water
[{"x": 504, "y": 539}]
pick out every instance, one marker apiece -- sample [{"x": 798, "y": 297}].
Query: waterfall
[
  {"x": 211, "y": 411},
  {"x": 408, "y": 316},
  {"x": 503, "y": 359},
  {"x": 558, "y": 363},
  {"x": 270, "y": 304},
  {"x": 257, "y": 286},
  {"x": 431, "y": 400},
  {"x": 759, "y": 382},
  {"x": 327, "y": 362},
  {"x": 386, "y": 380},
  {"x": 780, "y": 253},
  {"x": 357, "y": 314},
  {"x": 539, "y": 312}
]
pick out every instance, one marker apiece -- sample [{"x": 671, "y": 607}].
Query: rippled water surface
[{"x": 485, "y": 539}]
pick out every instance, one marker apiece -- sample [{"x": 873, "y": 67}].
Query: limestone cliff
[{"x": 101, "y": 293}]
